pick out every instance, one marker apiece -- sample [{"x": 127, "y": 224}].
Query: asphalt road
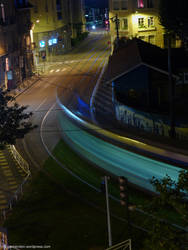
[{"x": 72, "y": 77}]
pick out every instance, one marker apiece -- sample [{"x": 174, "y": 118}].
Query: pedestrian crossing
[
  {"x": 59, "y": 67},
  {"x": 11, "y": 177}
]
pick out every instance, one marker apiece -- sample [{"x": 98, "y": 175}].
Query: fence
[
  {"x": 121, "y": 246},
  {"x": 25, "y": 167}
]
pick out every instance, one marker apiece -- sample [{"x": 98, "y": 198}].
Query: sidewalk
[{"x": 25, "y": 85}]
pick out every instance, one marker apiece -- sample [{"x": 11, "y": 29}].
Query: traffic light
[{"x": 123, "y": 191}]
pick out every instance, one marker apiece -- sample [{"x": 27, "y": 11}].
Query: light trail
[{"x": 118, "y": 161}]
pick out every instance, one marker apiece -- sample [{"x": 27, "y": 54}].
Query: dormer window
[{"x": 140, "y": 4}]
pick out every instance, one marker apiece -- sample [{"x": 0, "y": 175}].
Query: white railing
[
  {"x": 25, "y": 167},
  {"x": 121, "y": 246},
  {"x": 18, "y": 158}
]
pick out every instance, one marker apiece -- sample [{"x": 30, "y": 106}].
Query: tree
[
  {"x": 172, "y": 197},
  {"x": 14, "y": 121},
  {"x": 173, "y": 16}
]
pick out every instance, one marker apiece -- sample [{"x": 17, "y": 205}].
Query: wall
[{"x": 149, "y": 122}]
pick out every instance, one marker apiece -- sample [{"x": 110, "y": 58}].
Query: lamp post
[{"x": 115, "y": 20}]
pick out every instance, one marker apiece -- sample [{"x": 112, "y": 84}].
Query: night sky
[{"x": 97, "y": 3}]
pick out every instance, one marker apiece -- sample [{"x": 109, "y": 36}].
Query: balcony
[{"x": 146, "y": 28}]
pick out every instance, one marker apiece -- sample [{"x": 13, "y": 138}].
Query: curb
[{"x": 24, "y": 86}]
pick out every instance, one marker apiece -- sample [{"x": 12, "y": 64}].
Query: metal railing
[
  {"x": 20, "y": 161},
  {"x": 25, "y": 167},
  {"x": 121, "y": 246}
]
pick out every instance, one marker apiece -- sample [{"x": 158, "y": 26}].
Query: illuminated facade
[
  {"x": 138, "y": 18},
  {"x": 55, "y": 22}
]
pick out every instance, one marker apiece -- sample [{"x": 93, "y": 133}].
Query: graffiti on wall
[{"x": 147, "y": 121}]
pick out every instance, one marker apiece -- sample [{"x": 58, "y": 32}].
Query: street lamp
[{"x": 115, "y": 20}]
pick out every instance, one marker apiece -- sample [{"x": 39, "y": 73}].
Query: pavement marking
[
  {"x": 64, "y": 69},
  {"x": 57, "y": 70},
  {"x": 40, "y": 104},
  {"x": 52, "y": 70}
]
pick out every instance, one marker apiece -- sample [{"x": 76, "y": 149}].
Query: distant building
[
  {"x": 16, "y": 60},
  {"x": 77, "y": 17},
  {"x": 55, "y": 22},
  {"x": 96, "y": 16},
  {"x": 138, "y": 18}
]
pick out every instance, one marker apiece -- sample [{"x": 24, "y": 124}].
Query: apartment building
[
  {"x": 55, "y": 22},
  {"x": 77, "y": 17},
  {"x": 138, "y": 18},
  {"x": 16, "y": 60}
]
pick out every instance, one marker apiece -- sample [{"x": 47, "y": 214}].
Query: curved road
[
  {"x": 74, "y": 75},
  {"x": 72, "y": 78}
]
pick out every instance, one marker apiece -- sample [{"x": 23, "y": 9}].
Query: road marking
[
  {"x": 52, "y": 70},
  {"x": 64, "y": 69},
  {"x": 41, "y": 104},
  {"x": 57, "y": 70}
]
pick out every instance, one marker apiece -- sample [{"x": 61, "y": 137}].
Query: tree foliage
[
  {"x": 14, "y": 120},
  {"x": 173, "y": 16},
  {"x": 173, "y": 198}
]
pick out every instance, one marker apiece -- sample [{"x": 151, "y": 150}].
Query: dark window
[
  {"x": 116, "y": 5},
  {"x": 58, "y": 5},
  {"x": 150, "y": 4},
  {"x": 46, "y": 6},
  {"x": 124, "y": 5},
  {"x": 59, "y": 15},
  {"x": 20, "y": 3},
  {"x": 35, "y": 7}
]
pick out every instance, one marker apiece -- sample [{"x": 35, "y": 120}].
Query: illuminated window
[
  {"x": 124, "y": 4},
  {"x": 150, "y": 21},
  {"x": 124, "y": 24},
  {"x": 116, "y": 5},
  {"x": 140, "y": 3},
  {"x": 141, "y": 22}
]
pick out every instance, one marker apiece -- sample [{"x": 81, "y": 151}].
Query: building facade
[
  {"x": 138, "y": 18},
  {"x": 55, "y": 22},
  {"x": 16, "y": 60}
]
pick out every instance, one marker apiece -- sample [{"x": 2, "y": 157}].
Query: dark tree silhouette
[
  {"x": 14, "y": 120},
  {"x": 173, "y": 16}
]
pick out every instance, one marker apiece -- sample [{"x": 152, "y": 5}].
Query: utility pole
[
  {"x": 108, "y": 212},
  {"x": 172, "y": 131}
]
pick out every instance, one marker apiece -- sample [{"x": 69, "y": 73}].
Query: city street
[{"x": 73, "y": 76}]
